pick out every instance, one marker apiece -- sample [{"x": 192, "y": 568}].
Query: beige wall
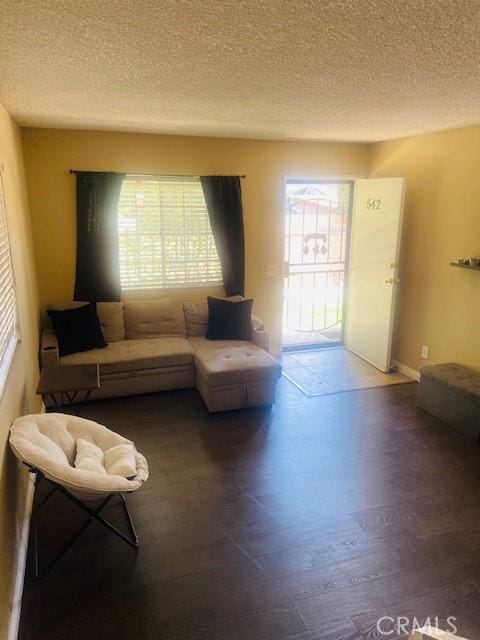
[
  {"x": 19, "y": 393},
  {"x": 50, "y": 153},
  {"x": 439, "y": 305}
]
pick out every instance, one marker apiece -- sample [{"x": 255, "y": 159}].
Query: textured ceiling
[{"x": 306, "y": 69}]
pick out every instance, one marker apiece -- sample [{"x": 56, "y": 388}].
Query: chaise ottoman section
[{"x": 234, "y": 374}]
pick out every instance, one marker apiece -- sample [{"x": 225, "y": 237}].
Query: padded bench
[{"x": 451, "y": 393}]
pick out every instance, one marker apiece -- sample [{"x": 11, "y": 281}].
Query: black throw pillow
[
  {"x": 229, "y": 320},
  {"x": 77, "y": 329}
]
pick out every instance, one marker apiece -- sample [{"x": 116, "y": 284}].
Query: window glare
[{"x": 164, "y": 234}]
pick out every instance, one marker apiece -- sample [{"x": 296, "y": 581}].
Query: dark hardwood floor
[{"x": 309, "y": 522}]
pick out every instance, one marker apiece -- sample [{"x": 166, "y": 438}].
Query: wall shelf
[{"x": 464, "y": 266}]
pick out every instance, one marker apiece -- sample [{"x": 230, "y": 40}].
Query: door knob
[{"x": 388, "y": 281}]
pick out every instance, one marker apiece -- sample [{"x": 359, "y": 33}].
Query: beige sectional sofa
[{"x": 159, "y": 345}]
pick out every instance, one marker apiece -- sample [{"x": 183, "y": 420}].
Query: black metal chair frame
[{"x": 94, "y": 516}]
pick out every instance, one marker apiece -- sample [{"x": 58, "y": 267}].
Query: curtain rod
[{"x": 140, "y": 175}]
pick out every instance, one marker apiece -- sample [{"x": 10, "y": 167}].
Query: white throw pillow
[
  {"x": 89, "y": 457},
  {"x": 120, "y": 461}
]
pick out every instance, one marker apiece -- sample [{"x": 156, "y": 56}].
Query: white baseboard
[
  {"x": 407, "y": 371},
  {"x": 22, "y": 550},
  {"x": 21, "y": 561}
]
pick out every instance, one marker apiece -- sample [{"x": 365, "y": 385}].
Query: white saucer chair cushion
[{"x": 48, "y": 442}]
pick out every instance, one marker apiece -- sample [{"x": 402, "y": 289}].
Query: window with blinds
[
  {"x": 164, "y": 234},
  {"x": 8, "y": 337}
]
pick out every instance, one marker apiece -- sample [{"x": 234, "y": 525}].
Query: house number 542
[{"x": 373, "y": 203}]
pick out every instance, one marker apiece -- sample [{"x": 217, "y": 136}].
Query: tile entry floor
[{"x": 332, "y": 370}]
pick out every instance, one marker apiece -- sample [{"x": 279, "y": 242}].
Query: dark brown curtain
[
  {"x": 98, "y": 272},
  {"x": 223, "y": 197}
]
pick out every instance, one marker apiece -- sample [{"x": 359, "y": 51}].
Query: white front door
[{"x": 373, "y": 268}]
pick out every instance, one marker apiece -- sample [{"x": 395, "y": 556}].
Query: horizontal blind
[
  {"x": 7, "y": 294},
  {"x": 164, "y": 234}
]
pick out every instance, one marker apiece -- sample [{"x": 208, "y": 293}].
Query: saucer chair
[{"x": 46, "y": 444}]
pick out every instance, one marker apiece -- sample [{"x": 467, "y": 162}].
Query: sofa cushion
[
  {"x": 110, "y": 315},
  {"x": 130, "y": 355},
  {"x": 155, "y": 319},
  {"x": 196, "y": 316},
  {"x": 225, "y": 362}
]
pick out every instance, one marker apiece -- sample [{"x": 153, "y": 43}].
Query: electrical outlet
[{"x": 424, "y": 351}]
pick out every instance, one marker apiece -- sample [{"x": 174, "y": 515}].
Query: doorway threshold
[{"x": 314, "y": 346}]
